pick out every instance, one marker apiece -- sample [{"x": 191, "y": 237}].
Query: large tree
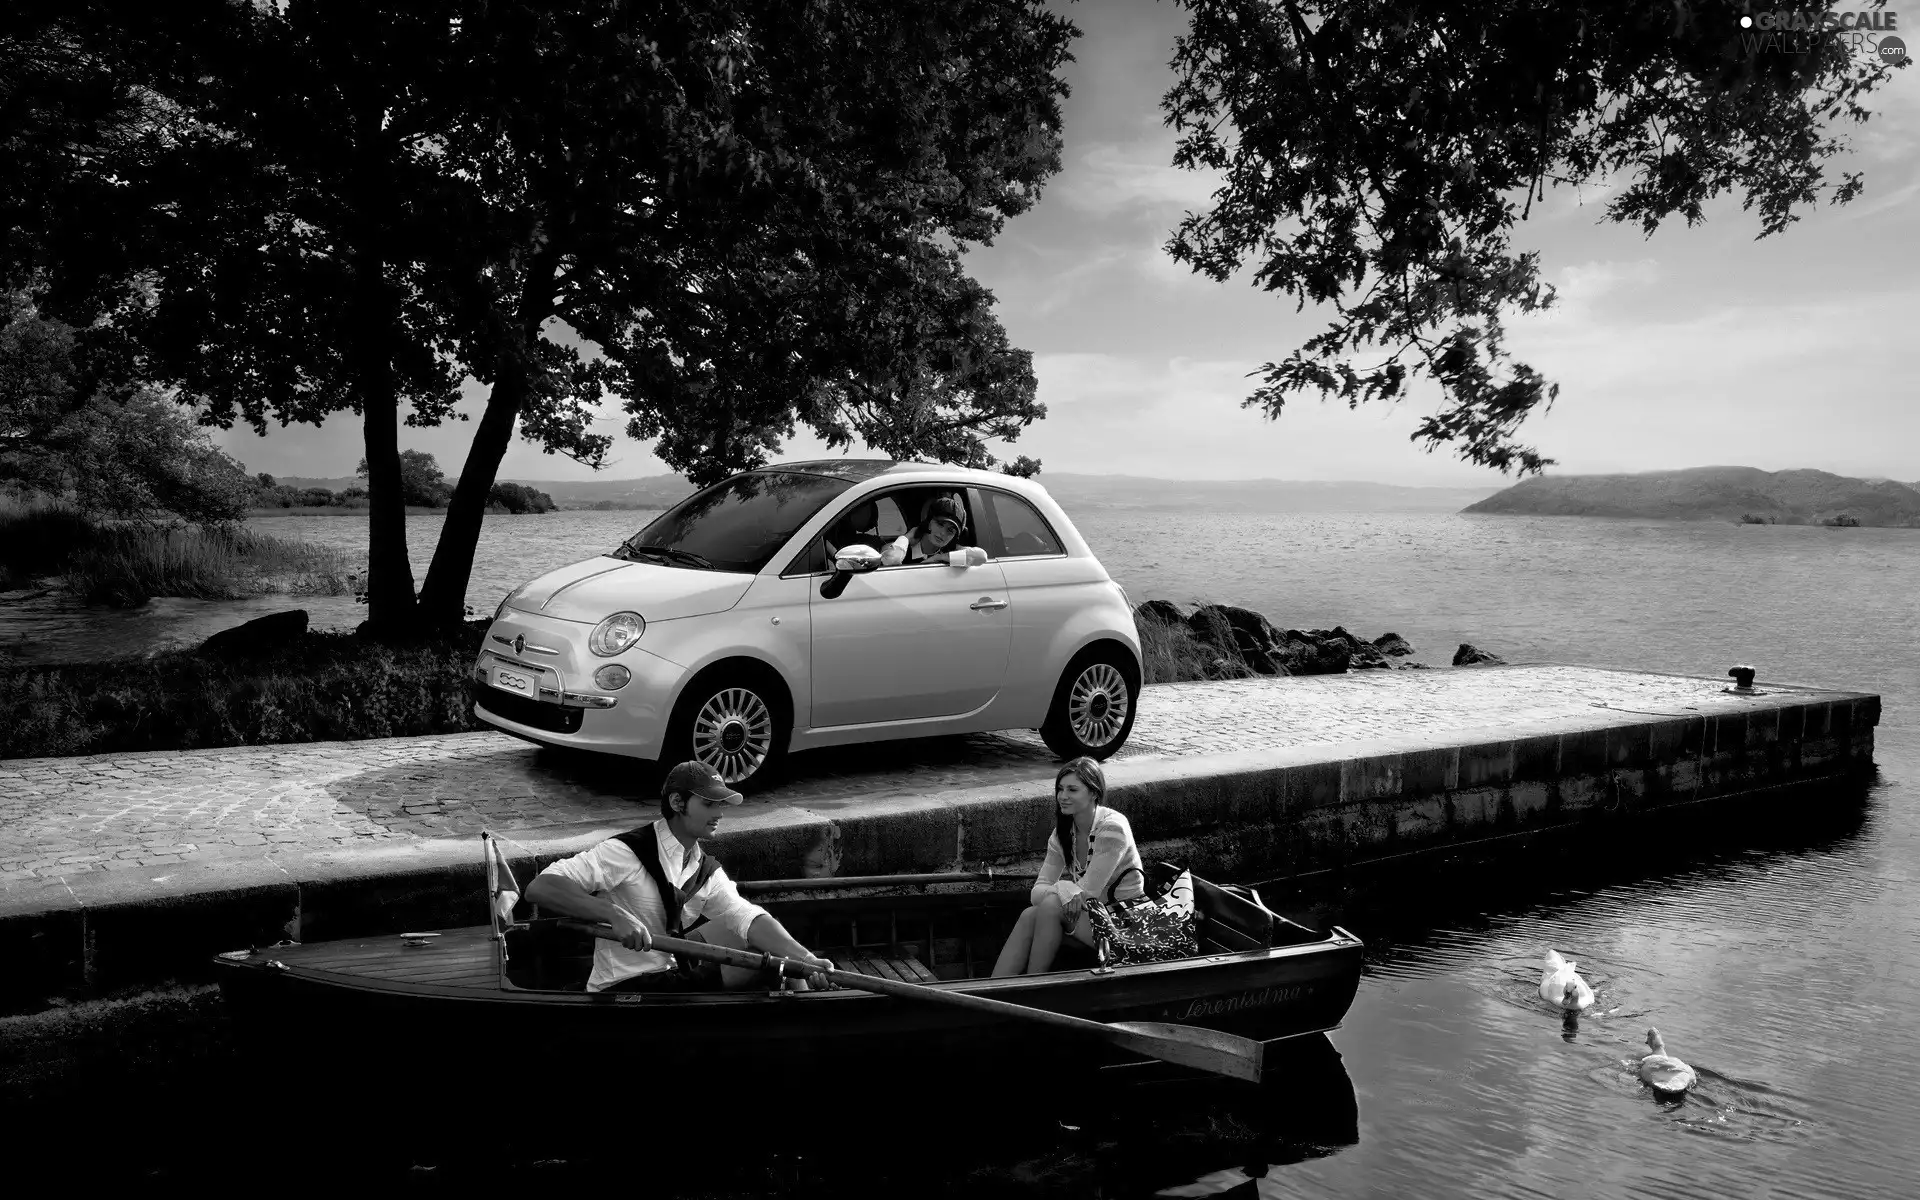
[
  {"x": 1377, "y": 155},
  {"x": 752, "y": 211},
  {"x": 259, "y": 226}
]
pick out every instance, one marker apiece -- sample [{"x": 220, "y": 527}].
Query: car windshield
[{"x": 736, "y": 525}]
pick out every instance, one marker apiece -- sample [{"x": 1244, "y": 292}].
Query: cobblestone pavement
[{"x": 63, "y": 817}]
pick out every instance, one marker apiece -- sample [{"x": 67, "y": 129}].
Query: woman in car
[
  {"x": 1091, "y": 846},
  {"x": 935, "y": 539}
]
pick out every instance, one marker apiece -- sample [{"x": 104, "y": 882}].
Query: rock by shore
[{"x": 1246, "y": 639}]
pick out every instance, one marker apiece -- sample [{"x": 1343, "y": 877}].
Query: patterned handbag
[{"x": 1157, "y": 926}]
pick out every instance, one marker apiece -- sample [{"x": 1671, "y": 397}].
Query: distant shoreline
[
  {"x": 413, "y": 510},
  {"x": 1744, "y": 495},
  {"x": 332, "y": 510}
]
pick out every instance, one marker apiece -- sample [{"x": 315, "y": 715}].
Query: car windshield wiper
[{"x": 671, "y": 554}]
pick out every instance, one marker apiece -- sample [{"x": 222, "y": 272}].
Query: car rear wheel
[
  {"x": 737, "y": 723},
  {"x": 1093, "y": 708}
]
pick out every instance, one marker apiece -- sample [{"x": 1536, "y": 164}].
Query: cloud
[
  {"x": 1181, "y": 417},
  {"x": 1774, "y": 385},
  {"x": 1136, "y": 176},
  {"x": 1588, "y": 281}
]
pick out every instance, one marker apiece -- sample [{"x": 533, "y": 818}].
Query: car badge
[{"x": 520, "y": 643}]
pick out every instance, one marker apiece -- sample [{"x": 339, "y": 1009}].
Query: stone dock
[{"x": 121, "y": 871}]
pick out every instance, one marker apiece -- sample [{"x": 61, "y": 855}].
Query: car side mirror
[{"x": 850, "y": 561}]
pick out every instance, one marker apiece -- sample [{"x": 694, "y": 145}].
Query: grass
[
  {"x": 318, "y": 687},
  {"x": 123, "y": 563},
  {"x": 1172, "y": 654}
]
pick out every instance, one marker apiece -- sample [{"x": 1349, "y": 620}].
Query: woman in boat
[{"x": 1090, "y": 847}]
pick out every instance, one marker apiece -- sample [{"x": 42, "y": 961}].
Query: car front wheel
[
  {"x": 1093, "y": 708},
  {"x": 735, "y": 723}
]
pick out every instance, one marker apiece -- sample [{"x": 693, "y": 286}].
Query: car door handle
[{"x": 987, "y": 604}]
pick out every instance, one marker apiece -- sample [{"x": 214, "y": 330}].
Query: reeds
[{"x": 123, "y": 563}]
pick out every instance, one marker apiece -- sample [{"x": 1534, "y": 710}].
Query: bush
[
  {"x": 519, "y": 498},
  {"x": 127, "y": 450},
  {"x": 319, "y": 687},
  {"x": 38, "y": 539}
]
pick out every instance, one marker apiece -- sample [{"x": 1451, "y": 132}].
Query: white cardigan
[{"x": 1110, "y": 851}]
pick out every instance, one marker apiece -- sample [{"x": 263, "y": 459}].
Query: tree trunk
[
  {"x": 390, "y": 601},
  {"x": 443, "y": 600}
]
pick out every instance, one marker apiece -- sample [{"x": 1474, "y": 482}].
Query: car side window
[
  {"x": 907, "y": 505},
  {"x": 873, "y": 521},
  {"x": 1024, "y": 533}
]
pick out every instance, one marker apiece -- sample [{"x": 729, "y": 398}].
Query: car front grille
[{"x": 523, "y": 711}]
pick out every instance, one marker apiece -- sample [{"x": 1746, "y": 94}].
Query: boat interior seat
[{"x": 1234, "y": 919}]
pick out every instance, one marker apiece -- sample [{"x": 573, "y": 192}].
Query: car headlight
[
  {"x": 616, "y": 634},
  {"x": 612, "y": 677}
]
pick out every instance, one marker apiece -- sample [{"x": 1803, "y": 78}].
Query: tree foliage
[
  {"x": 123, "y": 451},
  {"x": 1377, "y": 155},
  {"x": 422, "y": 482},
  {"x": 753, "y": 212},
  {"x": 519, "y": 498}
]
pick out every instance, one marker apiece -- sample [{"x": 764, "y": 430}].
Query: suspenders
[{"x": 645, "y": 845}]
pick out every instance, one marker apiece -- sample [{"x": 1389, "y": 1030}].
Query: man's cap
[
  {"x": 945, "y": 508},
  {"x": 701, "y": 780}
]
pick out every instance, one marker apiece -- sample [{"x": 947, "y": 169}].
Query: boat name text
[{"x": 1258, "y": 998}]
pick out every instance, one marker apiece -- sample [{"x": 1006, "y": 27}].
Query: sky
[{"x": 1699, "y": 346}]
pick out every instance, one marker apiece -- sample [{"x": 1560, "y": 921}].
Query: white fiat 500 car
[{"x": 754, "y": 618}]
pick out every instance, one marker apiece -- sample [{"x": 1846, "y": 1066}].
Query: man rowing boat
[{"x": 657, "y": 880}]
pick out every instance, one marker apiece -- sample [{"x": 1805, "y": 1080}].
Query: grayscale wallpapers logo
[{"x": 1798, "y": 31}]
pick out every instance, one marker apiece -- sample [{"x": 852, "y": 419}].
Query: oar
[
  {"x": 1183, "y": 1045},
  {"x": 827, "y": 882}
]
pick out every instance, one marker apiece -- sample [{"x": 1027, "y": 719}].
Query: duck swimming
[
  {"x": 1562, "y": 987},
  {"x": 1662, "y": 1071}
]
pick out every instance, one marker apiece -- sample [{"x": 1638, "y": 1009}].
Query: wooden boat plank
[
  {"x": 396, "y": 963},
  {"x": 450, "y": 943},
  {"x": 446, "y": 973},
  {"x": 408, "y": 965}
]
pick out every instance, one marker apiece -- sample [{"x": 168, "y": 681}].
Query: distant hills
[
  {"x": 651, "y": 491},
  {"x": 1714, "y": 494},
  {"x": 655, "y": 491},
  {"x": 1149, "y": 494},
  {"x": 1076, "y": 492}
]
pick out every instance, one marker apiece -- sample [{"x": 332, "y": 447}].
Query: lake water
[{"x": 1779, "y": 958}]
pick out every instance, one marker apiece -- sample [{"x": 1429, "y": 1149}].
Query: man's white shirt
[{"x": 613, "y": 870}]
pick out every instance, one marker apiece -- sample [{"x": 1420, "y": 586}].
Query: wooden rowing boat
[{"x": 522, "y": 985}]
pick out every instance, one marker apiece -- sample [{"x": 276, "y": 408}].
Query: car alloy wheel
[
  {"x": 733, "y": 733},
  {"x": 1097, "y": 705}
]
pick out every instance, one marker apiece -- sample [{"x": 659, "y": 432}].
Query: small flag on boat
[{"x": 503, "y": 891}]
